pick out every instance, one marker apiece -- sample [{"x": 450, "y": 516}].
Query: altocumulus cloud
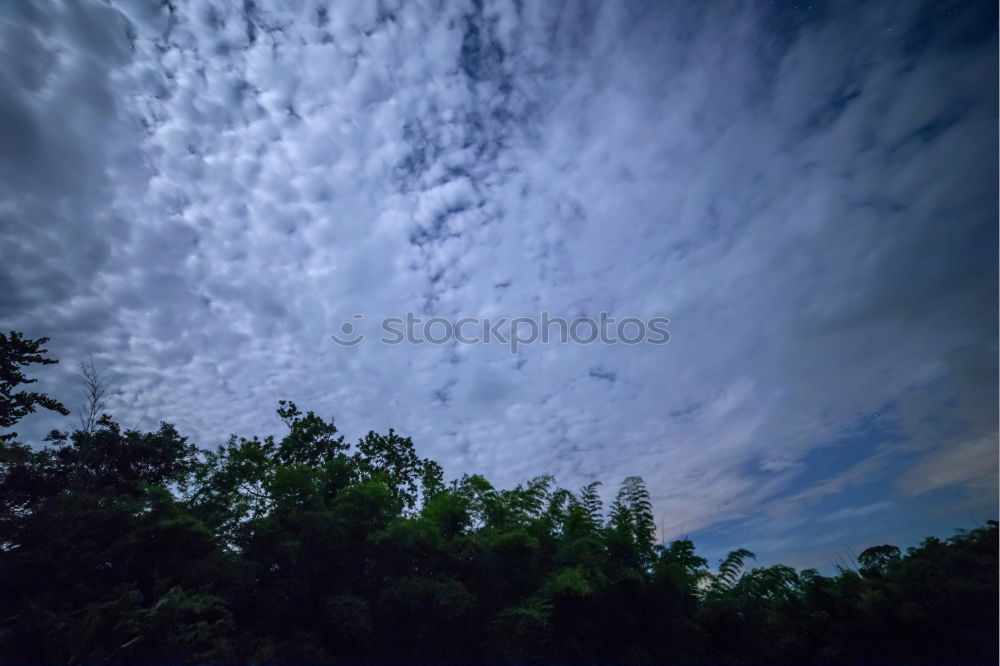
[{"x": 199, "y": 193}]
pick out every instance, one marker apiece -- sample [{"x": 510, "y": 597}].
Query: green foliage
[
  {"x": 631, "y": 531},
  {"x": 135, "y": 547}
]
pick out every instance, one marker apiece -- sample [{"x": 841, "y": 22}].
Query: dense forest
[{"x": 118, "y": 545}]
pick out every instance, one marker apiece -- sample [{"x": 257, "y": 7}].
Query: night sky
[{"x": 200, "y": 193}]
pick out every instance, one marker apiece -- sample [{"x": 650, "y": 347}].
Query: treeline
[{"x": 124, "y": 546}]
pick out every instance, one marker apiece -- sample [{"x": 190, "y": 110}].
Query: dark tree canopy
[
  {"x": 17, "y": 352},
  {"x": 124, "y": 546}
]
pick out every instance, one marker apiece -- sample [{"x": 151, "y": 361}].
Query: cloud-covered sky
[{"x": 200, "y": 193}]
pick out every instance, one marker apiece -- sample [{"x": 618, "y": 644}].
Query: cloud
[
  {"x": 200, "y": 193},
  {"x": 852, "y": 513},
  {"x": 972, "y": 464}
]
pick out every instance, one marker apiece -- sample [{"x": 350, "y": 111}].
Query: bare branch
[{"x": 95, "y": 385}]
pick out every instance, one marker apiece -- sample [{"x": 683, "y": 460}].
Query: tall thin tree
[{"x": 95, "y": 386}]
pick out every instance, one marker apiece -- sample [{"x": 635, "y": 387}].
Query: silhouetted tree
[
  {"x": 95, "y": 387},
  {"x": 17, "y": 352},
  {"x": 124, "y": 546}
]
